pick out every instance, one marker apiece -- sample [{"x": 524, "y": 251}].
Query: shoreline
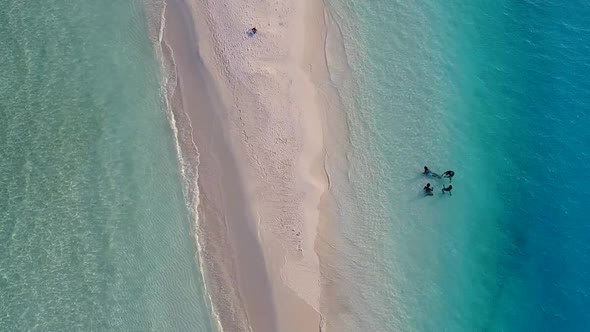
[
  {"x": 259, "y": 200},
  {"x": 240, "y": 293}
]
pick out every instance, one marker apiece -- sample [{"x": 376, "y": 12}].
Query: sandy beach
[{"x": 251, "y": 107}]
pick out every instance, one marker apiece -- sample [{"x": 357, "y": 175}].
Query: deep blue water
[{"x": 547, "y": 222}]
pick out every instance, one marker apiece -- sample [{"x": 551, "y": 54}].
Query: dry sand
[{"x": 255, "y": 112}]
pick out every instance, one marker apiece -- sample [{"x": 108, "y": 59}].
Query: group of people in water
[{"x": 429, "y": 190}]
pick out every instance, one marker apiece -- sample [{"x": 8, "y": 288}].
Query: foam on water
[{"x": 186, "y": 149}]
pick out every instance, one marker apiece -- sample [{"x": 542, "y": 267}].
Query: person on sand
[
  {"x": 428, "y": 189},
  {"x": 447, "y": 189},
  {"x": 449, "y": 174},
  {"x": 252, "y": 31}
]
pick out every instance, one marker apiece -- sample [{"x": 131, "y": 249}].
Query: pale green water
[{"x": 94, "y": 231}]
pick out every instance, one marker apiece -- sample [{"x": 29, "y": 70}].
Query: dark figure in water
[
  {"x": 447, "y": 189},
  {"x": 449, "y": 174},
  {"x": 428, "y": 172},
  {"x": 428, "y": 190}
]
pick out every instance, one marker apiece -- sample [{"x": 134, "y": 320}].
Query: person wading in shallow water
[
  {"x": 447, "y": 189},
  {"x": 428, "y": 172},
  {"x": 428, "y": 190},
  {"x": 448, "y": 174}
]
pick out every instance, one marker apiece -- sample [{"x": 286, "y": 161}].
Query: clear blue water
[
  {"x": 497, "y": 91},
  {"x": 95, "y": 234}
]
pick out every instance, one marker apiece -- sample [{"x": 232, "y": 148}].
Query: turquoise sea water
[
  {"x": 497, "y": 91},
  {"x": 95, "y": 234}
]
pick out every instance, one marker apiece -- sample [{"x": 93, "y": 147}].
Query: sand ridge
[{"x": 273, "y": 119}]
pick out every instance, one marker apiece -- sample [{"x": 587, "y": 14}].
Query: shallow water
[
  {"x": 94, "y": 230},
  {"x": 495, "y": 91}
]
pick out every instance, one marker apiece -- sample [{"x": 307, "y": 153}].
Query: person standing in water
[
  {"x": 447, "y": 189},
  {"x": 428, "y": 189},
  {"x": 448, "y": 174}
]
